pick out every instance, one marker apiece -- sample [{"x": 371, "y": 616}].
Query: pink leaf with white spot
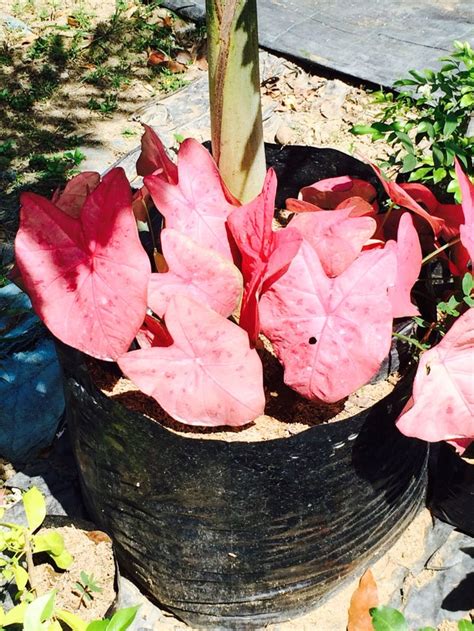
[
  {"x": 337, "y": 237},
  {"x": 407, "y": 249},
  {"x": 154, "y": 158},
  {"x": 196, "y": 205},
  {"x": 443, "y": 391},
  {"x": 265, "y": 253},
  {"x": 87, "y": 277},
  {"x": 329, "y": 193},
  {"x": 331, "y": 334},
  {"x": 208, "y": 376},
  {"x": 467, "y": 194},
  {"x": 196, "y": 272}
]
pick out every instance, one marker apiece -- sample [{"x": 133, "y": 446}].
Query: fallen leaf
[{"x": 363, "y": 599}]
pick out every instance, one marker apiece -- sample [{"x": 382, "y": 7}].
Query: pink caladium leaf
[
  {"x": 154, "y": 158},
  {"x": 265, "y": 253},
  {"x": 400, "y": 197},
  {"x": 443, "y": 393},
  {"x": 451, "y": 213},
  {"x": 467, "y": 199},
  {"x": 359, "y": 207},
  {"x": 209, "y": 375},
  {"x": 153, "y": 333},
  {"x": 331, "y": 334},
  {"x": 327, "y": 194},
  {"x": 337, "y": 237},
  {"x": 407, "y": 249},
  {"x": 72, "y": 198},
  {"x": 197, "y": 272},
  {"x": 196, "y": 205},
  {"x": 87, "y": 277}
]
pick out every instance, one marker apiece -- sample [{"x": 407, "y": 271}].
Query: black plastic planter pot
[
  {"x": 234, "y": 535},
  {"x": 452, "y": 492}
]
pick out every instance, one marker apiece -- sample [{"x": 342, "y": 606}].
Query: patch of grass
[
  {"x": 171, "y": 82},
  {"x": 105, "y": 106},
  {"x": 57, "y": 168},
  {"x": 107, "y": 77}
]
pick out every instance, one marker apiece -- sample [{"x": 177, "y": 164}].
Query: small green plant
[
  {"x": 57, "y": 167},
  {"x": 18, "y": 544},
  {"x": 104, "y": 106},
  {"x": 427, "y": 123},
  {"x": 38, "y": 612},
  {"x": 389, "y": 619},
  {"x": 86, "y": 588}
]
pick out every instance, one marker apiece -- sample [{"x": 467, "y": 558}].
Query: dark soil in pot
[{"x": 233, "y": 534}]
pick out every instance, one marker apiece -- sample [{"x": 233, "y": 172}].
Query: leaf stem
[
  {"x": 410, "y": 340},
  {"x": 432, "y": 255},
  {"x": 30, "y": 564}
]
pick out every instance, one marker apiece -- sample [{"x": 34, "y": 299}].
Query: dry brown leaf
[
  {"x": 184, "y": 57},
  {"x": 72, "y": 21},
  {"x": 160, "y": 262},
  {"x": 97, "y": 536},
  {"x": 156, "y": 58},
  {"x": 364, "y": 598}
]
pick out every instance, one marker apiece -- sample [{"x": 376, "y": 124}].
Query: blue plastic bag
[{"x": 31, "y": 391}]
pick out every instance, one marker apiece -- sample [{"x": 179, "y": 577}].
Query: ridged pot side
[{"x": 237, "y": 535}]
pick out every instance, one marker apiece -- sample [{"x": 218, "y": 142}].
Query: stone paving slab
[{"x": 375, "y": 40}]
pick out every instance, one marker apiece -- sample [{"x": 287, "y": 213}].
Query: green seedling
[
  {"x": 389, "y": 619},
  {"x": 86, "y": 588},
  {"x": 18, "y": 544},
  {"x": 105, "y": 106}
]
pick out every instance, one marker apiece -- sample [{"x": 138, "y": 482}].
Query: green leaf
[
  {"x": 469, "y": 301},
  {"x": 38, "y": 611},
  {"x": 439, "y": 174},
  {"x": 50, "y": 541},
  {"x": 420, "y": 174},
  {"x": 438, "y": 155},
  {"x": 360, "y": 130},
  {"x": 63, "y": 560},
  {"x": 388, "y": 619},
  {"x": 405, "y": 140},
  {"x": 73, "y": 622},
  {"x": 427, "y": 629},
  {"x": 98, "y": 625},
  {"x": 467, "y": 100},
  {"x": 15, "y": 615},
  {"x": 467, "y": 284},
  {"x": 21, "y": 577},
  {"x": 122, "y": 619},
  {"x": 409, "y": 163},
  {"x": 418, "y": 76},
  {"x": 465, "y": 625},
  {"x": 450, "y": 124},
  {"x": 35, "y": 508},
  {"x": 426, "y": 126}
]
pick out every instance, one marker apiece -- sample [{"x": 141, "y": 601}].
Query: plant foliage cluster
[
  {"x": 427, "y": 122},
  {"x": 324, "y": 290}
]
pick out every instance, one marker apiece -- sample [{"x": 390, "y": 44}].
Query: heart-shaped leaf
[
  {"x": 407, "y": 249},
  {"x": 208, "y": 376},
  {"x": 388, "y": 619},
  {"x": 154, "y": 158},
  {"x": 72, "y": 198},
  {"x": 467, "y": 193},
  {"x": 443, "y": 393},
  {"x": 87, "y": 277},
  {"x": 337, "y": 237},
  {"x": 196, "y": 272},
  {"x": 400, "y": 197},
  {"x": 451, "y": 213},
  {"x": 265, "y": 253},
  {"x": 328, "y": 193},
  {"x": 196, "y": 205},
  {"x": 331, "y": 334}
]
